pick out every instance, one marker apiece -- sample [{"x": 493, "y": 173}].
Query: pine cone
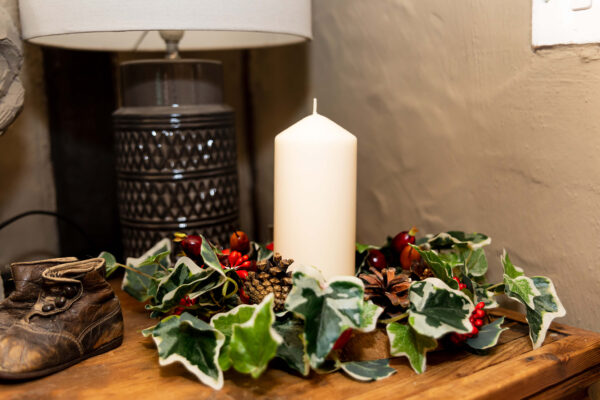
[
  {"x": 270, "y": 277},
  {"x": 387, "y": 289}
]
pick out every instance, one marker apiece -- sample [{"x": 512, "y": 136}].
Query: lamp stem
[{"x": 172, "y": 39}]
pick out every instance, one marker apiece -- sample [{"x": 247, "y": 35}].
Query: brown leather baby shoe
[
  {"x": 76, "y": 316},
  {"x": 28, "y": 282}
]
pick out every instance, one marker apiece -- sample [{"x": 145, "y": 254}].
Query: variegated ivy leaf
[
  {"x": 138, "y": 285},
  {"x": 436, "y": 309},
  {"x": 293, "y": 348},
  {"x": 329, "y": 310},
  {"x": 187, "y": 278},
  {"x": 446, "y": 240},
  {"x": 111, "y": 262},
  {"x": 475, "y": 262},
  {"x": 224, "y": 323},
  {"x": 367, "y": 371},
  {"x": 482, "y": 294},
  {"x": 262, "y": 253},
  {"x": 191, "y": 342},
  {"x": 547, "y": 306},
  {"x": 441, "y": 268},
  {"x": 406, "y": 342},
  {"x": 451, "y": 258},
  {"x": 251, "y": 343},
  {"x": 516, "y": 285},
  {"x": 209, "y": 255},
  {"x": 488, "y": 335},
  {"x": 370, "y": 315},
  {"x": 361, "y": 248}
]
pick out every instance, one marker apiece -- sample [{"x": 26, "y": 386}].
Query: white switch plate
[{"x": 565, "y": 22}]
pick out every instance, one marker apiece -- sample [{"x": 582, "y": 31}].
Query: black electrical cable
[{"x": 58, "y": 216}]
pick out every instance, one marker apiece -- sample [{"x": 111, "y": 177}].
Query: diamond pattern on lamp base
[{"x": 175, "y": 173}]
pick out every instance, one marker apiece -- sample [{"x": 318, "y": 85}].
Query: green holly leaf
[
  {"x": 488, "y": 335},
  {"x": 193, "y": 343},
  {"x": 187, "y": 278},
  {"x": 516, "y": 285},
  {"x": 138, "y": 285},
  {"x": 436, "y": 309},
  {"x": 406, "y": 342},
  {"x": 367, "y": 371},
  {"x": 111, "y": 263},
  {"x": 253, "y": 342},
  {"x": 292, "y": 349},
  {"x": 327, "y": 311},
  {"x": 441, "y": 269},
  {"x": 547, "y": 307},
  {"x": 446, "y": 240}
]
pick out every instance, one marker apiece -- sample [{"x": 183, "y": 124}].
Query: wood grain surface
[{"x": 565, "y": 365}]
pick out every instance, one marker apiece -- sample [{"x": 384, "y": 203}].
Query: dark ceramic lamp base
[{"x": 176, "y": 153}]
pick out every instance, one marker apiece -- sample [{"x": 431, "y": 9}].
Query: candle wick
[{"x": 315, "y": 105}]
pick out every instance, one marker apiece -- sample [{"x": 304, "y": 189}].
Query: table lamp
[{"x": 175, "y": 140}]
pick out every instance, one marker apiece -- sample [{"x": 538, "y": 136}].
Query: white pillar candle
[{"x": 315, "y": 195}]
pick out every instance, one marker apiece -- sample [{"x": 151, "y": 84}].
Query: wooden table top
[{"x": 565, "y": 365}]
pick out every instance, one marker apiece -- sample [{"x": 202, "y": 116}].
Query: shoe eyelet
[
  {"x": 61, "y": 301},
  {"x": 70, "y": 291},
  {"x": 47, "y": 307}
]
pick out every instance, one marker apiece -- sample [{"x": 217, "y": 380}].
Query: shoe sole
[{"x": 20, "y": 376}]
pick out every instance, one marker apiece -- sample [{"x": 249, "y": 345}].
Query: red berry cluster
[
  {"x": 184, "y": 303},
  {"x": 461, "y": 285},
  {"x": 476, "y": 319},
  {"x": 239, "y": 262}
]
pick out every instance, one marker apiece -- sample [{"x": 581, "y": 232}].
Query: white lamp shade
[{"x": 133, "y": 25}]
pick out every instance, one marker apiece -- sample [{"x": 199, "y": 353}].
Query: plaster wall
[
  {"x": 26, "y": 180},
  {"x": 460, "y": 125}
]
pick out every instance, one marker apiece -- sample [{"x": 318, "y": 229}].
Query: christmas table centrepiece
[{"x": 240, "y": 308}]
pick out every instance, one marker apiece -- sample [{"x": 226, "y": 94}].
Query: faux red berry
[
  {"x": 243, "y": 274},
  {"x": 376, "y": 259},
  {"x": 192, "y": 245},
  {"x": 461, "y": 286},
  {"x": 244, "y": 297},
  {"x": 343, "y": 339},
  {"x": 479, "y": 313},
  {"x": 480, "y": 305},
  {"x": 270, "y": 246},
  {"x": 403, "y": 238},
  {"x": 475, "y": 331},
  {"x": 239, "y": 242},
  {"x": 478, "y": 323}
]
